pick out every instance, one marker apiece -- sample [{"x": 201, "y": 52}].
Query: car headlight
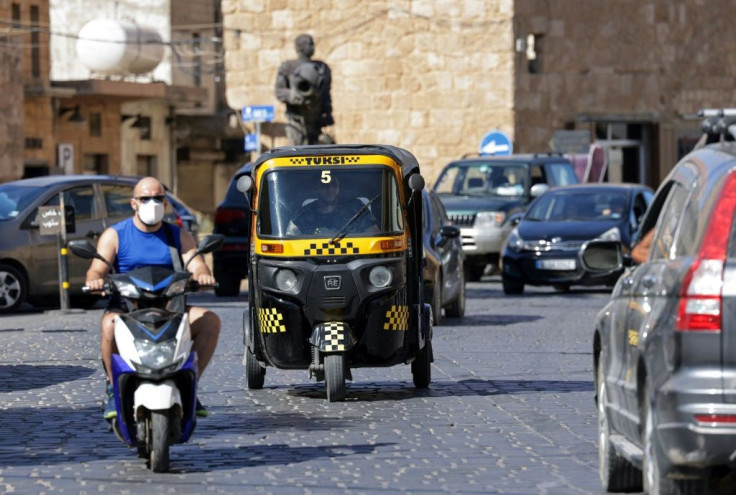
[
  {"x": 489, "y": 219},
  {"x": 177, "y": 288},
  {"x": 127, "y": 289},
  {"x": 515, "y": 242},
  {"x": 610, "y": 235},
  {"x": 154, "y": 355},
  {"x": 285, "y": 279},
  {"x": 380, "y": 276}
]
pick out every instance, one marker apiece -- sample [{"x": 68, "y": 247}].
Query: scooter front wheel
[
  {"x": 160, "y": 438},
  {"x": 335, "y": 377}
]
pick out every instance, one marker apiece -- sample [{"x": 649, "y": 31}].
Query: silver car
[
  {"x": 664, "y": 346},
  {"x": 29, "y": 261}
]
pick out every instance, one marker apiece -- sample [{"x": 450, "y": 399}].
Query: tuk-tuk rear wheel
[{"x": 335, "y": 377}]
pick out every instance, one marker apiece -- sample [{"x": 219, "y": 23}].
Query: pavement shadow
[
  {"x": 18, "y": 377},
  {"x": 471, "y": 320},
  {"x": 397, "y": 391}
]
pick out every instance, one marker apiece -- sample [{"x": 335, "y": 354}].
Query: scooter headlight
[
  {"x": 177, "y": 288},
  {"x": 380, "y": 276},
  {"x": 154, "y": 355},
  {"x": 127, "y": 289},
  {"x": 285, "y": 279}
]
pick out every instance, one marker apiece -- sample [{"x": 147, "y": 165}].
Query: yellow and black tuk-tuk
[{"x": 335, "y": 265}]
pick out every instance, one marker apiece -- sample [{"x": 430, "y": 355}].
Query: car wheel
[
  {"x": 227, "y": 286},
  {"x": 656, "y": 481},
  {"x": 616, "y": 473},
  {"x": 511, "y": 286},
  {"x": 473, "y": 272},
  {"x": 13, "y": 288},
  {"x": 456, "y": 309}
]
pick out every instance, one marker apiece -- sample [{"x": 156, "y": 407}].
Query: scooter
[{"x": 155, "y": 370}]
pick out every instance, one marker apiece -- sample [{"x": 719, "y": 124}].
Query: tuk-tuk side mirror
[
  {"x": 244, "y": 184},
  {"x": 207, "y": 245},
  {"x": 416, "y": 182},
  {"x": 85, "y": 250}
]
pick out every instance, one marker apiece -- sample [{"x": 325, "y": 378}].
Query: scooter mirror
[
  {"x": 207, "y": 245},
  {"x": 83, "y": 249}
]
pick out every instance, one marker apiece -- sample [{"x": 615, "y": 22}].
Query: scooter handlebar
[{"x": 105, "y": 288}]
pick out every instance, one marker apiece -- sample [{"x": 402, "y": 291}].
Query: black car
[
  {"x": 232, "y": 219},
  {"x": 544, "y": 248},
  {"x": 664, "y": 346},
  {"x": 480, "y": 194},
  {"x": 29, "y": 260},
  {"x": 444, "y": 280}
]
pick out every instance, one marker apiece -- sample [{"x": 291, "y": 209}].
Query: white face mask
[{"x": 151, "y": 212}]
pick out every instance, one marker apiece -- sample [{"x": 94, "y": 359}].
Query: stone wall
[
  {"x": 434, "y": 76},
  {"x": 11, "y": 109},
  {"x": 429, "y": 76}
]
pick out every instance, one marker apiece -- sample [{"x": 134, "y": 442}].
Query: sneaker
[
  {"x": 110, "y": 411},
  {"x": 200, "y": 410}
]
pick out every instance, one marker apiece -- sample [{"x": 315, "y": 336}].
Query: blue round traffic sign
[{"x": 496, "y": 143}]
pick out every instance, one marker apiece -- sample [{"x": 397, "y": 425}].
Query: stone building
[
  {"x": 168, "y": 119},
  {"x": 435, "y": 76}
]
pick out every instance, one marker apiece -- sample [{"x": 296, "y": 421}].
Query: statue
[{"x": 304, "y": 85}]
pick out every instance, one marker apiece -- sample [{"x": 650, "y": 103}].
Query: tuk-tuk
[{"x": 335, "y": 265}]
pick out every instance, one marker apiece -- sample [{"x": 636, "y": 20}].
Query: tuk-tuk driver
[{"x": 330, "y": 212}]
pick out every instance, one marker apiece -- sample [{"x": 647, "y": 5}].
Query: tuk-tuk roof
[{"x": 407, "y": 161}]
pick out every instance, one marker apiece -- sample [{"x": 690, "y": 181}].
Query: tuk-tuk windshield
[{"x": 355, "y": 201}]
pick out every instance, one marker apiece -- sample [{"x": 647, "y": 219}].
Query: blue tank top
[{"x": 137, "y": 248}]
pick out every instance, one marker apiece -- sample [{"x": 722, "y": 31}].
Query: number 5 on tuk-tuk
[{"x": 335, "y": 269}]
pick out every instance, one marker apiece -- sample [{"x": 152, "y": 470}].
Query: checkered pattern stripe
[
  {"x": 271, "y": 321},
  {"x": 327, "y": 249},
  {"x": 334, "y": 337},
  {"x": 397, "y": 318}
]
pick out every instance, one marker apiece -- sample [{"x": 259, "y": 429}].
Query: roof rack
[
  {"x": 548, "y": 153},
  {"x": 718, "y": 125}
]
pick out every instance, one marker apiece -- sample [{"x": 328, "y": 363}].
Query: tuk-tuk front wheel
[
  {"x": 335, "y": 377},
  {"x": 421, "y": 367}
]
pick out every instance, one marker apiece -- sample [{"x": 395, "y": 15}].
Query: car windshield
[
  {"x": 579, "y": 206},
  {"x": 14, "y": 199},
  {"x": 325, "y": 202},
  {"x": 483, "y": 179}
]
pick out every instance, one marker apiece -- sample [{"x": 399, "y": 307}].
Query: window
[
  {"x": 95, "y": 164},
  {"x": 35, "y": 43},
  {"x": 117, "y": 200},
  {"x": 95, "y": 124},
  {"x": 146, "y": 165},
  {"x": 663, "y": 246},
  {"x": 82, "y": 199}
]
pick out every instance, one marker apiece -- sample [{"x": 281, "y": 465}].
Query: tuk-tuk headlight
[
  {"x": 285, "y": 279},
  {"x": 380, "y": 276}
]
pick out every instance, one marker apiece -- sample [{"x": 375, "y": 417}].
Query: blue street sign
[
  {"x": 496, "y": 143},
  {"x": 258, "y": 113},
  {"x": 251, "y": 142}
]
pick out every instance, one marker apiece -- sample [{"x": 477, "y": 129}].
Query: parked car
[
  {"x": 232, "y": 219},
  {"x": 480, "y": 194},
  {"x": 664, "y": 346},
  {"x": 444, "y": 280},
  {"x": 543, "y": 249},
  {"x": 29, "y": 261}
]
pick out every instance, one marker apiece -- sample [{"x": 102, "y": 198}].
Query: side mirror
[
  {"x": 85, "y": 250},
  {"x": 244, "y": 184},
  {"x": 449, "y": 231},
  {"x": 416, "y": 182},
  {"x": 514, "y": 219},
  {"x": 602, "y": 256},
  {"x": 207, "y": 245},
  {"x": 539, "y": 189}
]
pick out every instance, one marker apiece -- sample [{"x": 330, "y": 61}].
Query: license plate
[{"x": 556, "y": 264}]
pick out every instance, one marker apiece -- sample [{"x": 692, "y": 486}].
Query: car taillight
[
  {"x": 700, "y": 299},
  {"x": 228, "y": 215},
  {"x": 179, "y": 222}
]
